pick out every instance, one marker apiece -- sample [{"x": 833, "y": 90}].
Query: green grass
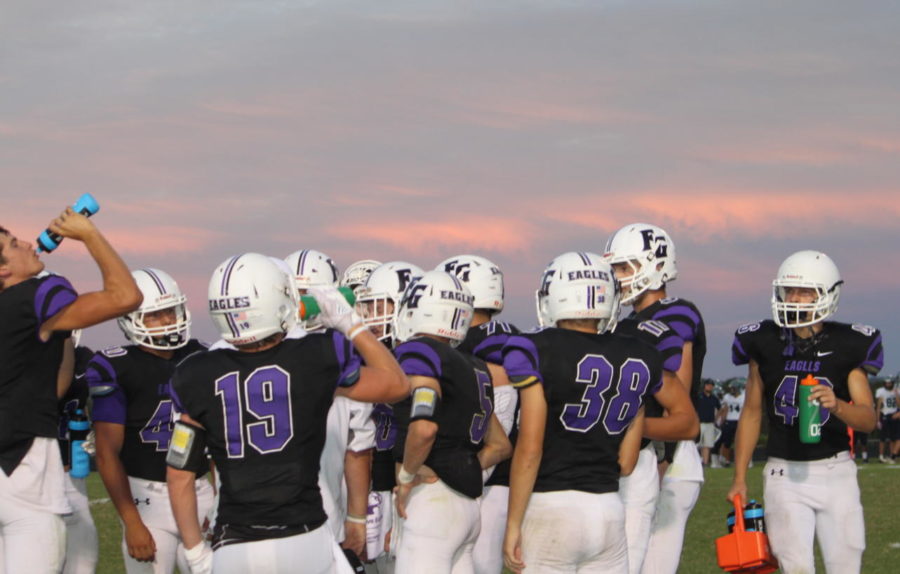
[{"x": 878, "y": 483}]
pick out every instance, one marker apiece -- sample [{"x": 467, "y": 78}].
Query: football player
[
  {"x": 37, "y": 314},
  {"x": 447, "y": 430},
  {"x": 377, "y": 302},
  {"x": 733, "y": 401},
  {"x": 485, "y": 339},
  {"x": 643, "y": 257},
  {"x": 312, "y": 268},
  {"x": 889, "y": 422},
  {"x": 132, "y": 413},
  {"x": 356, "y": 274},
  {"x": 261, "y": 410},
  {"x": 810, "y": 489},
  {"x": 81, "y": 533},
  {"x": 582, "y": 396}
]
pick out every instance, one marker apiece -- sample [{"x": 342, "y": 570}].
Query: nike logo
[{"x": 823, "y": 353}]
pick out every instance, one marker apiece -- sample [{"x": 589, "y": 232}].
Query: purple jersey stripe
[
  {"x": 738, "y": 354},
  {"x": 417, "y": 358},
  {"x": 683, "y": 311},
  {"x": 878, "y": 360},
  {"x": 520, "y": 359},
  {"x": 349, "y": 362},
  {"x": 54, "y": 293},
  {"x": 672, "y": 363},
  {"x": 685, "y": 330},
  {"x": 111, "y": 408},
  {"x": 491, "y": 349},
  {"x": 101, "y": 373}
]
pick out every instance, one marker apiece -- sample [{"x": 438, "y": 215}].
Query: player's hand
[
  {"x": 737, "y": 488},
  {"x": 512, "y": 550},
  {"x": 140, "y": 543},
  {"x": 895, "y": 416},
  {"x": 335, "y": 312},
  {"x": 355, "y": 538},
  {"x": 387, "y": 541},
  {"x": 72, "y": 224},
  {"x": 200, "y": 558},
  {"x": 402, "y": 491},
  {"x": 826, "y": 397}
]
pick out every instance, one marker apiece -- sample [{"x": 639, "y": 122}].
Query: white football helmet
[
  {"x": 483, "y": 278},
  {"x": 250, "y": 299},
  {"x": 160, "y": 292},
  {"x": 378, "y": 301},
  {"x": 650, "y": 253},
  {"x": 806, "y": 269},
  {"x": 312, "y": 268},
  {"x": 355, "y": 276},
  {"x": 436, "y": 303},
  {"x": 579, "y": 286}
]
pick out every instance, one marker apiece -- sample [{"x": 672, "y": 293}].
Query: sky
[{"x": 417, "y": 130}]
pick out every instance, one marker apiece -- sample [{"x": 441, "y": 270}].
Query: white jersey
[
  {"x": 888, "y": 400},
  {"x": 349, "y": 427},
  {"x": 735, "y": 404}
]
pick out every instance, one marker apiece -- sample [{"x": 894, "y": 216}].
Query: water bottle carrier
[{"x": 744, "y": 552}]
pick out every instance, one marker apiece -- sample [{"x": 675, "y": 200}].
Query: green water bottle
[
  {"x": 309, "y": 307},
  {"x": 810, "y": 419}
]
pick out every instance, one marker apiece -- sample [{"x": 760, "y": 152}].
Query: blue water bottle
[
  {"x": 754, "y": 519},
  {"x": 86, "y": 205},
  {"x": 79, "y": 426}
]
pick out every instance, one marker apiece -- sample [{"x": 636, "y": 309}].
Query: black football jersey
[
  {"x": 136, "y": 395},
  {"x": 785, "y": 360},
  {"x": 463, "y": 416},
  {"x": 28, "y": 402},
  {"x": 265, "y": 417},
  {"x": 76, "y": 397},
  {"x": 594, "y": 386},
  {"x": 486, "y": 342},
  {"x": 684, "y": 318},
  {"x": 383, "y": 466}
]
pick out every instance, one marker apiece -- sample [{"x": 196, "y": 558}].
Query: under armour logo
[
  {"x": 780, "y": 472},
  {"x": 139, "y": 501}
]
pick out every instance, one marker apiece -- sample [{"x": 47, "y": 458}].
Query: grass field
[{"x": 880, "y": 493}]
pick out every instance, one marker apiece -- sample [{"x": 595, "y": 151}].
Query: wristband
[
  {"x": 356, "y": 331},
  {"x": 404, "y": 476},
  {"x": 355, "y": 519}
]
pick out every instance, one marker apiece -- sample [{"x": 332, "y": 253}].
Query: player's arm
[
  {"x": 523, "y": 473},
  {"x": 859, "y": 415},
  {"x": 109, "y": 439},
  {"x": 747, "y": 434},
  {"x": 186, "y": 448},
  {"x": 685, "y": 372},
  {"x": 381, "y": 380},
  {"x": 357, "y": 475},
  {"x": 497, "y": 447},
  {"x": 682, "y": 422},
  {"x": 120, "y": 293},
  {"x": 420, "y": 436},
  {"x": 505, "y": 397},
  {"x": 66, "y": 369},
  {"x": 630, "y": 447}
]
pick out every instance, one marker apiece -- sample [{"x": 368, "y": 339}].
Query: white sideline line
[{"x": 99, "y": 501}]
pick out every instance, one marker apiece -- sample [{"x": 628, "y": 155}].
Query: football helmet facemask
[
  {"x": 578, "y": 286},
  {"x": 251, "y": 299},
  {"x": 356, "y": 274},
  {"x": 435, "y": 304},
  {"x": 160, "y": 292},
  {"x": 806, "y": 270},
  {"x": 378, "y": 300},
  {"x": 650, "y": 254},
  {"x": 483, "y": 279}
]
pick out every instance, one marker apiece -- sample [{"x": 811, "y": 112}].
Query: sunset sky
[{"x": 422, "y": 129}]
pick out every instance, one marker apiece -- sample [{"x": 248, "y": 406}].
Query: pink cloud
[{"x": 422, "y": 238}]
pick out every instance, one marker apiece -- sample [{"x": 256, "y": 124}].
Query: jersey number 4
[
  {"x": 597, "y": 373},
  {"x": 786, "y": 400},
  {"x": 263, "y": 397}
]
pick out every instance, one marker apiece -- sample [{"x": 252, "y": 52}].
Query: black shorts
[
  {"x": 890, "y": 428},
  {"x": 729, "y": 428}
]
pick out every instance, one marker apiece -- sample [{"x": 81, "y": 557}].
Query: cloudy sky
[{"x": 422, "y": 129}]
